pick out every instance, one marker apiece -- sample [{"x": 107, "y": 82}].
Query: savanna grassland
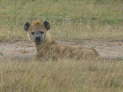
[
  {"x": 79, "y": 19},
  {"x": 74, "y": 20}
]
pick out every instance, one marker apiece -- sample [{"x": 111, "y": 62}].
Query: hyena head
[{"x": 37, "y": 30}]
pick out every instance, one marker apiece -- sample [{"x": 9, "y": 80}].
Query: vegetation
[
  {"x": 61, "y": 76},
  {"x": 70, "y": 20}
]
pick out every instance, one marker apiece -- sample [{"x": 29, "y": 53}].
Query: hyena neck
[
  {"x": 45, "y": 45},
  {"x": 48, "y": 42}
]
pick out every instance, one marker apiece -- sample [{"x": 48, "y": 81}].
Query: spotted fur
[{"x": 50, "y": 49}]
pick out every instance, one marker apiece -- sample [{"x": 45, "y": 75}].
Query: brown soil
[{"x": 26, "y": 49}]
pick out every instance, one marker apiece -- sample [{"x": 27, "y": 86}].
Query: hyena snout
[{"x": 39, "y": 37}]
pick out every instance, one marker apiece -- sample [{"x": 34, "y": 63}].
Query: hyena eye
[
  {"x": 41, "y": 32},
  {"x": 32, "y": 33}
]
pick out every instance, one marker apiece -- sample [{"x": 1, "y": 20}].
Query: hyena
[{"x": 48, "y": 48}]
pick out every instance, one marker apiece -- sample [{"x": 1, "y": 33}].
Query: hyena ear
[
  {"x": 47, "y": 25},
  {"x": 26, "y": 26}
]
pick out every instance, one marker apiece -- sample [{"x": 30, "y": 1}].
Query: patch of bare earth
[
  {"x": 17, "y": 50},
  {"x": 26, "y": 49}
]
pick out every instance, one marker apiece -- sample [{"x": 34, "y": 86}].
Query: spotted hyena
[{"x": 47, "y": 47}]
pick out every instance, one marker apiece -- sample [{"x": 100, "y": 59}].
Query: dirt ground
[{"x": 26, "y": 49}]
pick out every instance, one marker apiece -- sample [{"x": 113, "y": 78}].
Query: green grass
[
  {"x": 61, "y": 76},
  {"x": 70, "y": 19}
]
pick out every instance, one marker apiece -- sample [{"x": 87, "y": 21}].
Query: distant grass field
[{"x": 70, "y": 19}]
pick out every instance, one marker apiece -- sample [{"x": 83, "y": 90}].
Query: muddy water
[{"x": 26, "y": 49}]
